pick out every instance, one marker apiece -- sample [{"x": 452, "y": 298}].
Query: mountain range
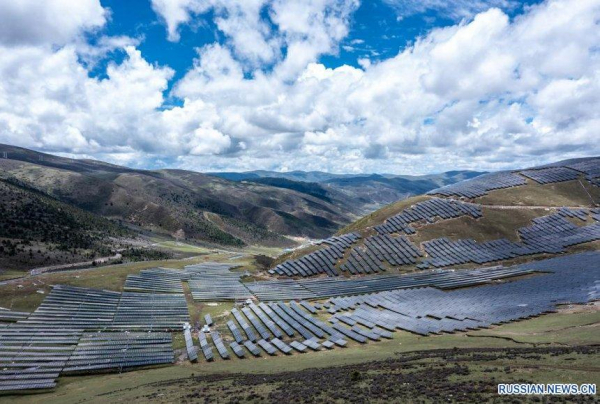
[{"x": 101, "y": 205}]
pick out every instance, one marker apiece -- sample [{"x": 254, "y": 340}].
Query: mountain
[
  {"x": 495, "y": 218},
  {"x": 357, "y": 193},
  {"x": 196, "y": 206}
]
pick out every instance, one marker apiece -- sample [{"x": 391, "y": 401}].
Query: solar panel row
[
  {"x": 216, "y": 337},
  {"x": 428, "y": 210},
  {"x": 11, "y": 315},
  {"x": 481, "y": 185},
  {"x": 205, "y": 347},
  {"x": 547, "y": 234},
  {"x": 119, "y": 351},
  {"x": 32, "y": 356},
  {"x": 154, "y": 281},
  {"x": 148, "y": 311},
  {"x": 571, "y": 279},
  {"x": 377, "y": 250},
  {"x": 189, "y": 343},
  {"x": 330, "y": 287},
  {"x": 320, "y": 261},
  {"x": 551, "y": 174}
]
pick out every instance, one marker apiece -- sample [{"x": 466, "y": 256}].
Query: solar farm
[
  {"x": 82, "y": 330},
  {"x": 359, "y": 288},
  {"x": 392, "y": 246}
]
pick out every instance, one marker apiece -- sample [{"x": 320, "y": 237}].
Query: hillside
[
  {"x": 494, "y": 218},
  {"x": 197, "y": 207},
  {"x": 358, "y": 193},
  {"x": 37, "y": 230}
]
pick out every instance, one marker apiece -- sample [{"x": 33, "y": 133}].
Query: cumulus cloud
[
  {"x": 489, "y": 92},
  {"x": 27, "y": 22},
  {"x": 259, "y": 32}
]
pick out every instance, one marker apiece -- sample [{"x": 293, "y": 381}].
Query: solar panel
[
  {"x": 429, "y": 210},
  {"x": 481, "y": 185}
]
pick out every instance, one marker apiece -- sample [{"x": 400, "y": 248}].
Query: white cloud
[
  {"x": 305, "y": 29},
  {"x": 453, "y": 9},
  {"x": 476, "y": 91},
  {"x": 487, "y": 93},
  {"x": 27, "y": 22}
]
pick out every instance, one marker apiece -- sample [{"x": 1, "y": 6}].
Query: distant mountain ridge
[{"x": 358, "y": 193}]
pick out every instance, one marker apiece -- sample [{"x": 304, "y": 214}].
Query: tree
[{"x": 179, "y": 234}]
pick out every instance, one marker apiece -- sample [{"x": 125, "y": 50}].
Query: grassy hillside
[
  {"x": 191, "y": 205},
  {"x": 504, "y": 212},
  {"x": 568, "y": 193}
]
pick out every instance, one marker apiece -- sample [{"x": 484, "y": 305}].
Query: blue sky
[
  {"x": 401, "y": 86},
  {"x": 376, "y": 31}
]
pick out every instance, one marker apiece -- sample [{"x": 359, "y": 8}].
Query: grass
[
  {"x": 568, "y": 193},
  {"x": 11, "y": 274},
  {"x": 494, "y": 224},
  {"x": 580, "y": 328}
]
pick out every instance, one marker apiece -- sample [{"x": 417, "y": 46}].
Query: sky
[{"x": 343, "y": 86}]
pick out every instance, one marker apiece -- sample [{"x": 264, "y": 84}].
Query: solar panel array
[
  {"x": 444, "y": 252},
  {"x": 377, "y": 250},
  {"x": 73, "y": 307},
  {"x": 547, "y": 234},
  {"x": 320, "y": 261},
  {"x": 32, "y": 357},
  {"x": 365, "y": 309},
  {"x": 147, "y": 311},
  {"x": 553, "y": 233},
  {"x": 95, "y": 309},
  {"x": 428, "y": 210},
  {"x": 330, "y": 287},
  {"x": 481, "y": 185},
  {"x": 571, "y": 279},
  {"x": 551, "y": 174},
  {"x": 119, "y": 351},
  {"x": 218, "y": 286},
  {"x": 154, "y": 281},
  {"x": 427, "y": 310},
  {"x": 590, "y": 167}
]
